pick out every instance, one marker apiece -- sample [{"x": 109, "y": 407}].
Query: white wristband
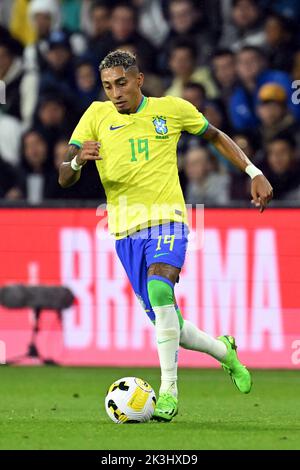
[
  {"x": 253, "y": 171},
  {"x": 74, "y": 164}
]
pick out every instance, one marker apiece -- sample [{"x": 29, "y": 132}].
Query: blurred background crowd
[{"x": 237, "y": 61}]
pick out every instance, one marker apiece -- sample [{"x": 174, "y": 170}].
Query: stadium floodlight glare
[{"x": 38, "y": 298}]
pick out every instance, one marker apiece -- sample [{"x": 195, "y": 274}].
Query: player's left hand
[{"x": 261, "y": 192}]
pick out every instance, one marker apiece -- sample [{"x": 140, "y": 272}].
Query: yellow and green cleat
[
  {"x": 166, "y": 407},
  {"x": 239, "y": 374}
]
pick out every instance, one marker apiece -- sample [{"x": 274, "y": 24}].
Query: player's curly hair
[{"x": 118, "y": 58}]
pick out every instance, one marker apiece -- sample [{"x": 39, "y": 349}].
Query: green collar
[{"x": 141, "y": 105}]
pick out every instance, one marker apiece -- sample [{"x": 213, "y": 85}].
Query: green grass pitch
[{"x": 63, "y": 408}]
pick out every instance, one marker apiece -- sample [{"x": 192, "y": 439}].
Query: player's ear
[{"x": 140, "y": 79}]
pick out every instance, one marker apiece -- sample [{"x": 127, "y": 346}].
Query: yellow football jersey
[{"x": 139, "y": 166}]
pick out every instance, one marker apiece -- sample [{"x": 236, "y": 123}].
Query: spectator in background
[
  {"x": 100, "y": 19},
  {"x": 273, "y": 112},
  {"x": 287, "y": 8},
  {"x": 282, "y": 168},
  {"x": 195, "y": 94},
  {"x": 11, "y": 73},
  {"x": 152, "y": 23},
  {"x": 10, "y": 138},
  {"x": 59, "y": 73},
  {"x": 213, "y": 112},
  {"x": 187, "y": 20},
  {"x": 253, "y": 73},
  {"x": 246, "y": 27},
  {"x": 184, "y": 69},
  {"x": 250, "y": 144},
  {"x": 87, "y": 84},
  {"x": 205, "y": 184},
  {"x": 35, "y": 166},
  {"x": 240, "y": 184},
  {"x": 70, "y": 11},
  {"x": 124, "y": 25},
  {"x": 10, "y": 184},
  {"x": 19, "y": 23},
  {"x": 44, "y": 16},
  {"x": 21, "y": 93},
  {"x": 251, "y": 62},
  {"x": 54, "y": 117},
  {"x": 223, "y": 66},
  {"x": 280, "y": 41}
]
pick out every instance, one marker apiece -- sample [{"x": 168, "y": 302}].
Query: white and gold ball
[{"x": 130, "y": 400}]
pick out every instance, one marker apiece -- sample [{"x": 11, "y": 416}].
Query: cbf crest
[{"x": 160, "y": 124}]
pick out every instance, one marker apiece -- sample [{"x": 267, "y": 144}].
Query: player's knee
[{"x": 160, "y": 293}]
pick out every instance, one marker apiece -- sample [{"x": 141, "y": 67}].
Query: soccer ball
[{"x": 130, "y": 400}]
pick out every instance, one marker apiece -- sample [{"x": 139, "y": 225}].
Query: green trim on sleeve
[
  {"x": 203, "y": 128},
  {"x": 75, "y": 142}
]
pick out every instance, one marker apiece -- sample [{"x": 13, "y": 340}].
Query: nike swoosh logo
[
  {"x": 112, "y": 128},
  {"x": 160, "y": 254},
  {"x": 163, "y": 341}
]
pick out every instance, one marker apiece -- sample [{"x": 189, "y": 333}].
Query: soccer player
[{"x": 133, "y": 140}]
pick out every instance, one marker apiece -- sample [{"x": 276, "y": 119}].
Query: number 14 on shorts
[{"x": 166, "y": 240}]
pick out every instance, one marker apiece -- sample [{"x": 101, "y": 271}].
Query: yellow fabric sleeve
[
  {"x": 192, "y": 120},
  {"x": 85, "y": 129}
]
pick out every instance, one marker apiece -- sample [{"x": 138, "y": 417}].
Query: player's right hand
[
  {"x": 261, "y": 191},
  {"x": 89, "y": 151}
]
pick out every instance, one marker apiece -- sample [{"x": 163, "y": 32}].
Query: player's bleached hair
[{"x": 119, "y": 58}]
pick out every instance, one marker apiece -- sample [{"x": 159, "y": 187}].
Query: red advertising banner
[{"x": 245, "y": 281}]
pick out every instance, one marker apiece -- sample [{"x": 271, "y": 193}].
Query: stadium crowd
[{"x": 237, "y": 61}]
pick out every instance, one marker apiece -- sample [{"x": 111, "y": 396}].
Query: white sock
[
  {"x": 167, "y": 337},
  {"x": 193, "y": 338}
]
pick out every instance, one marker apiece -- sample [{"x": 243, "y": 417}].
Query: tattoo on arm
[
  {"x": 72, "y": 151},
  {"x": 211, "y": 133},
  {"x": 227, "y": 147},
  {"x": 68, "y": 177}
]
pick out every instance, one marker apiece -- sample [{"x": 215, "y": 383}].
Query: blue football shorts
[{"x": 166, "y": 243}]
